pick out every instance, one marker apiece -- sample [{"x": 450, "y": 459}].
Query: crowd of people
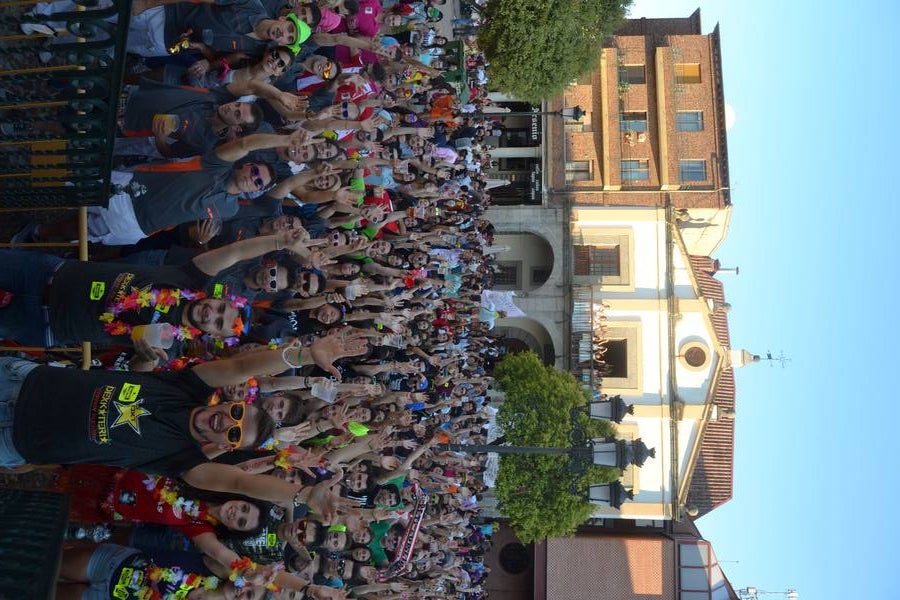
[{"x": 286, "y": 306}]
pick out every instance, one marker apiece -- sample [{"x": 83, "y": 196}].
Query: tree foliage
[
  {"x": 536, "y": 47},
  {"x": 535, "y": 492}
]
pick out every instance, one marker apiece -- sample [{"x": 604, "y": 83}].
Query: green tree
[
  {"x": 535, "y": 492},
  {"x": 536, "y": 47}
]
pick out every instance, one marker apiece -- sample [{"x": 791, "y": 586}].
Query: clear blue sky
[{"x": 815, "y": 233}]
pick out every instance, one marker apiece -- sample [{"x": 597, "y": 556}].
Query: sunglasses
[
  {"x": 328, "y": 71},
  {"x": 257, "y": 180},
  {"x": 279, "y": 62},
  {"x": 273, "y": 278},
  {"x": 345, "y": 110},
  {"x": 235, "y": 433}
]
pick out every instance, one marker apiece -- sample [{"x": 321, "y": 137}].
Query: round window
[
  {"x": 514, "y": 558},
  {"x": 695, "y": 356}
]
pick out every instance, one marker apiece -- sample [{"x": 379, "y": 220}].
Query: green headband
[{"x": 303, "y": 33}]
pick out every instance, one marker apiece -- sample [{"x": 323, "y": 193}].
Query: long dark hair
[{"x": 219, "y": 498}]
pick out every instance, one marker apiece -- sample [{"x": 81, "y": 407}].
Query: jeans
[
  {"x": 13, "y": 372},
  {"x": 26, "y": 274}
]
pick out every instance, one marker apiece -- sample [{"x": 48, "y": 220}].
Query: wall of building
[
  {"x": 546, "y": 305},
  {"x": 592, "y": 152},
  {"x": 612, "y": 568}
]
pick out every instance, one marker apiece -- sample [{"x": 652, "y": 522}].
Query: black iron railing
[{"x": 60, "y": 79}]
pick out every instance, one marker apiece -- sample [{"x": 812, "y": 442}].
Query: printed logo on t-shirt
[
  {"x": 121, "y": 287},
  {"x": 97, "y": 289},
  {"x": 98, "y": 426},
  {"x": 129, "y": 411},
  {"x": 129, "y": 579},
  {"x": 130, "y": 414},
  {"x": 129, "y": 392}
]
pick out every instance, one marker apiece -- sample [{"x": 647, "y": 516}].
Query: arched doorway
[{"x": 527, "y": 263}]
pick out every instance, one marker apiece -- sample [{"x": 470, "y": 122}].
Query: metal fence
[
  {"x": 60, "y": 76},
  {"x": 32, "y": 526}
]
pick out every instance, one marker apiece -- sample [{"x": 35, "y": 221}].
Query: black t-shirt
[
  {"x": 133, "y": 420},
  {"x": 132, "y": 574},
  {"x": 82, "y": 291}
]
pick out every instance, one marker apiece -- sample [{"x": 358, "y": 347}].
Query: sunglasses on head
[
  {"x": 279, "y": 62},
  {"x": 345, "y": 109},
  {"x": 257, "y": 180}
]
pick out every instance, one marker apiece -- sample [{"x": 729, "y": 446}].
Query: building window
[
  {"x": 689, "y": 120},
  {"x": 632, "y": 74},
  {"x": 687, "y": 73},
  {"x": 635, "y": 170},
  {"x": 692, "y": 170},
  {"x": 598, "y": 261},
  {"x": 695, "y": 356},
  {"x": 633, "y": 121},
  {"x": 616, "y": 359},
  {"x": 509, "y": 275},
  {"x": 700, "y": 577},
  {"x": 514, "y": 558},
  {"x": 540, "y": 275},
  {"x": 578, "y": 170}
]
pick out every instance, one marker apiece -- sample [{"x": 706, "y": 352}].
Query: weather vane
[{"x": 781, "y": 358}]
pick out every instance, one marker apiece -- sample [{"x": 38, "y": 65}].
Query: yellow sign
[
  {"x": 129, "y": 393},
  {"x": 97, "y": 289}
]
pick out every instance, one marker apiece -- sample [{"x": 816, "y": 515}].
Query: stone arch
[
  {"x": 523, "y": 333},
  {"x": 527, "y": 265}
]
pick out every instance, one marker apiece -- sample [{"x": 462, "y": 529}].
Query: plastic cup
[
  {"x": 324, "y": 391},
  {"x": 158, "y": 335}
]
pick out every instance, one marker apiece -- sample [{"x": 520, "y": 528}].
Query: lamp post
[
  {"x": 583, "y": 452},
  {"x": 751, "y": 593},
  {"x": 575, "y": 113}
]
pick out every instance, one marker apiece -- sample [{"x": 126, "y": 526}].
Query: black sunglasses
[
  {"x": 257, "y": 180},
  {"x": 279, "y": 62}
]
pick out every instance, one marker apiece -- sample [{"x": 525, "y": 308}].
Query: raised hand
[{"x": 326, "y": 350}]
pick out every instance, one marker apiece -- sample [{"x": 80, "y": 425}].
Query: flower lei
[
  {"x": 176, "y": 577},
  {"x": 154, "y": 298},
  {"x": 241, "y": 323},
  {"x": 167, "y": 495},
  {"x": 239, "y": 566},
  {"x": 283, "y": 457}
]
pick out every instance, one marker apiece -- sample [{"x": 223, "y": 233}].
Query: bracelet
[
  {"x": 287, "y": 362},
  {"x": 306, "y": 383},
  {"x": 277, "y": 247}
]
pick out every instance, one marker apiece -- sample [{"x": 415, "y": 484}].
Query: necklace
[
  {"x": 159, "y": 299},
  {"x": 167, "y": 495}
]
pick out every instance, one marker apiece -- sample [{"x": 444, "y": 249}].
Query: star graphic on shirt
[{"x": 130, "y": 414}]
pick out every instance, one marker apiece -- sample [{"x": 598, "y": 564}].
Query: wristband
[{"x": 287, "y": 362}]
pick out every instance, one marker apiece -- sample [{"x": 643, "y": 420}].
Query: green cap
[{"x": 303, "y": 33}]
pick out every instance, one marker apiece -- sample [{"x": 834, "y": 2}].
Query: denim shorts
[
  {"x": 102, "y": 566},
  {"x": 13, "y": 372}
]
